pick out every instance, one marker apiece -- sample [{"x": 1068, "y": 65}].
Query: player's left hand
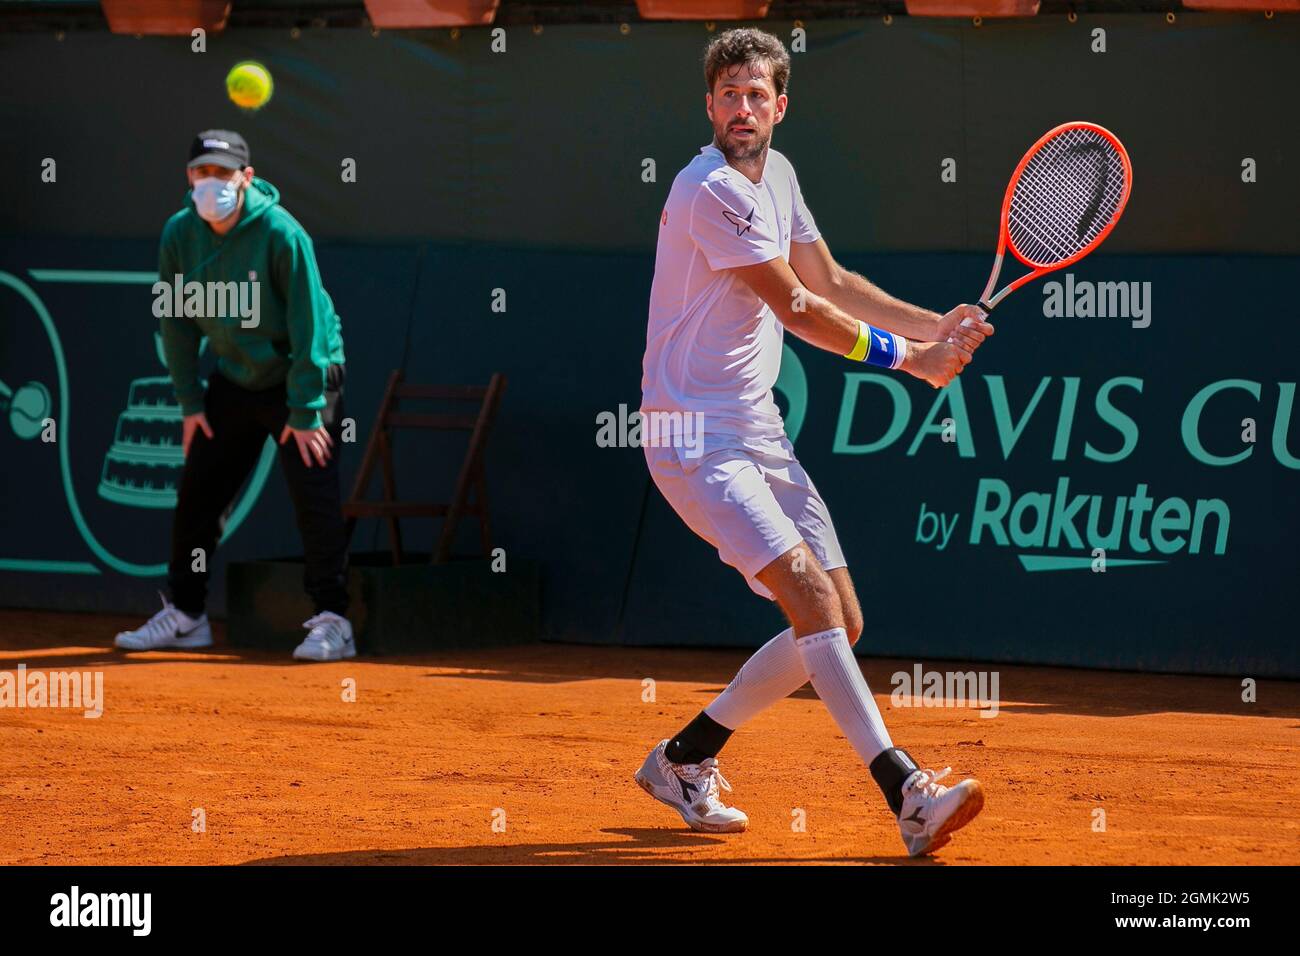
[
  {"x": 965, "y": 326},
  {"x": 312, "y": 443}
]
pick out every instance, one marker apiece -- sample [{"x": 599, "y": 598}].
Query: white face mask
[{"x": 215, "y": 199}]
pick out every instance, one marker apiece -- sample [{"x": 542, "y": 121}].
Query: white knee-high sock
[
  {"x": 772, "y": 674},
  {"x": 828, "y": 660}
]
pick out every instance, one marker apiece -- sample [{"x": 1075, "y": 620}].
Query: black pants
[{"x": 216, "y": 469}]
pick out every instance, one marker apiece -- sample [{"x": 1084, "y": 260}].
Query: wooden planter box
[
  {"x": 165, "y": 17},
  {"x": 414, "y": 14}
]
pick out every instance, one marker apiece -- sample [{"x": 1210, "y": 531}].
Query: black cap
[{"x": 221, "y": 147}]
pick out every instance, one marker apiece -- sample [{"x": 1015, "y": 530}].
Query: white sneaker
[
  {"x": 932, "y": 813},
  {"x": 329, "y": 638},
  {"x": 691, "y": 790},
  {"x": 170, "y": 627}
]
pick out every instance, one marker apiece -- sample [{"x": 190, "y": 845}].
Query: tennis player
[
  {"x": 739, "y": 259},
  {"x": 278, "y": 375}
]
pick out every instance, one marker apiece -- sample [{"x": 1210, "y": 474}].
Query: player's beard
[{"x": 738, "y": 152}]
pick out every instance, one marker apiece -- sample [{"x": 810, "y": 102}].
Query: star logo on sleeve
[{"x": 742, "y": 225}]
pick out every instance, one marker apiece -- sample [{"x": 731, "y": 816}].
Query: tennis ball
[
  {"x": 28, "y": 410},
  {"x": 249, "y": 85}
]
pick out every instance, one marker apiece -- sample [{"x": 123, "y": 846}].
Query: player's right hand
[
  {"x": 935, "y": 362},
  {"x": 189, "y": 426},
  {"x": 966, "y": 325}
]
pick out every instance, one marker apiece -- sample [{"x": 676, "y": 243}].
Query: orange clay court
[{"x": 412, "y": 771}]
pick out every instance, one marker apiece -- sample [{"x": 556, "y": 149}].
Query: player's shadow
[
  {"x": 1022, "y": 688},
  {"x": 78, "y": 656},
  {"x": 623, "y": 845}
]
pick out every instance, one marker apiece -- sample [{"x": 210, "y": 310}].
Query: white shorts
[{"x": 752, "y": 507}]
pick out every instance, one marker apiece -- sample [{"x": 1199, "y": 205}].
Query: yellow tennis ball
[{"x": 249, "y": 85}]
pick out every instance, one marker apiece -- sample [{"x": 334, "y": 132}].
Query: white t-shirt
[{"x": 713, "y": 347}]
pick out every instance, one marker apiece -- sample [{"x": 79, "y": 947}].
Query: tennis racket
[{"x": 1063, "y": 199}]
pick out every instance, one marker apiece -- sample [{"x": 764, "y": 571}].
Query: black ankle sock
[
  {"x": 699, "y": 740},
  {"x": 891, "y": 768}
]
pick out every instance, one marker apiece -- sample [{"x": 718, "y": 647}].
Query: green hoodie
[{"x": 298, "y": 335}]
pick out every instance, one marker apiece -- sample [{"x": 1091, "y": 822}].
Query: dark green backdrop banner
[
  {"x": 977, "y": 519},
  {"x": 545, "y": 143},
  {"x": 1138, "y": 415}
]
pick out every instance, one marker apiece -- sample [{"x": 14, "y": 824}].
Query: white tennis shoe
[
  {"x": 170, "y": 627},
  {"x": 692, "y": 790},
  {"x": 932, "y": 813},
  {"x": 329, "y": 638}
]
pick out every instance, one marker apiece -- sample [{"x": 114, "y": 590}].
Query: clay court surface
[{"x": 413, "y": 771}]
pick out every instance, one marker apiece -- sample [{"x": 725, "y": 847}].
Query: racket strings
[
  {"x": 1061, "y": 202},
  {"x": 1066, "y": 195}
]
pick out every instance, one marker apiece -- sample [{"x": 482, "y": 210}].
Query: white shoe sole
[
  {"x": 348, "y": 652},
  {"x": 189, "y": 642},
  {"x": 702, "y": 826},
  {"x": 966, "y": 811}
]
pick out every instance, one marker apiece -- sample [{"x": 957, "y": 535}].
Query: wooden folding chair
[{"x": 379, "y": 450}]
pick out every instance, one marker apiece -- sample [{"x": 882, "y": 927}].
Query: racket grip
[{"x": 985, "y": 310}]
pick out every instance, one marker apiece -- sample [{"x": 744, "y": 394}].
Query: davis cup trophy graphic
[{"x": 142, "y": 465}]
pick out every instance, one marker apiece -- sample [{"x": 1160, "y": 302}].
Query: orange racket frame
[{"x": 989, "y": 302}]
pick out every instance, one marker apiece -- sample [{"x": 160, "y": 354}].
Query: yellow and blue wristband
[{"x": 876, "y": 347}]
